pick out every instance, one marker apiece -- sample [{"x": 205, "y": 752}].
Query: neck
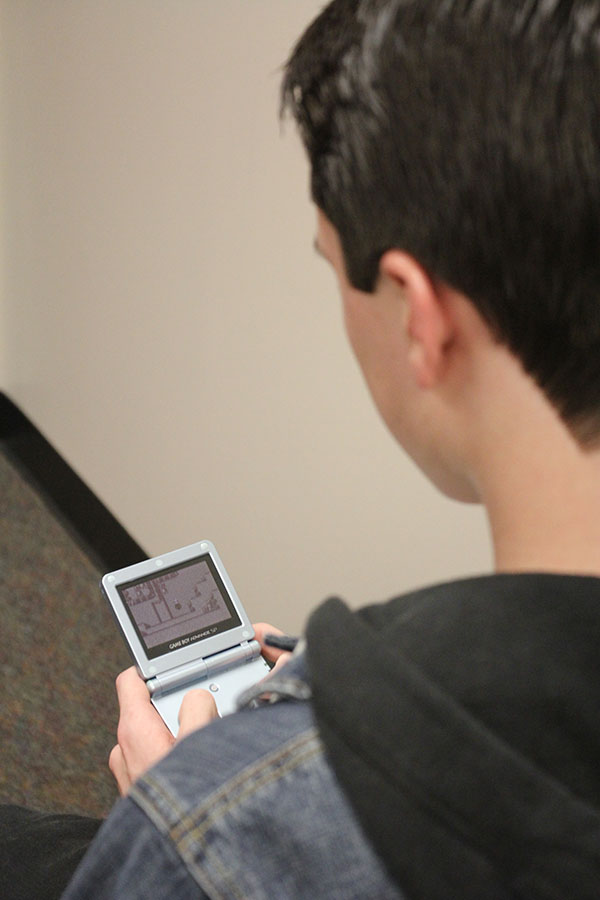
[
  {"x": 543, "y": 507},
  {"x": 541, "y": 489},
  {"x": 505, "y": 444},
  {"x": 551, "y": 538}
]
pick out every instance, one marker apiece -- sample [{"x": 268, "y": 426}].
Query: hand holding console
[
  {"x": 186, "y": 627},
  {"x": 143, "y": 738}
]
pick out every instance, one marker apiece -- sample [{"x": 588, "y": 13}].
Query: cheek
[
  {"x": 356, "y": 326},
  {"x": 352, "y": 333},
  {"x": 380, "y": 352}
]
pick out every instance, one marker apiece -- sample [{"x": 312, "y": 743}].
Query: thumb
[{"x": 197, "y": 709}]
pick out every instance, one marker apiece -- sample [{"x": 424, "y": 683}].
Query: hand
[
  {"x": 143, "y": 738},
  {"x": 279, "y": 657}
]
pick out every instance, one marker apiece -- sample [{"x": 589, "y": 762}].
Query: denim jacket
[{"x": 247, "y": 807}]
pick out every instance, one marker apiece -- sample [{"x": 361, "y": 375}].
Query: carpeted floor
[{"x": 59, "y": 654}]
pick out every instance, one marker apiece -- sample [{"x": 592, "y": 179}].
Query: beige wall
[{"x": 166, "y": 322}]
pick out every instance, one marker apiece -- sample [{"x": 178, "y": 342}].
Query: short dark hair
[{"x": 467, "y": 132}]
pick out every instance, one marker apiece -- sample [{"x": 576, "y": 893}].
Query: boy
[{"x": 445, "y": 744}]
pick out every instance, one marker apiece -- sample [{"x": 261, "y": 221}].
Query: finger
[
  {"x": 197, "y": 709},
  {"x": 281, "y": 661},
  {"x": 136, "y": 711},
  {"x": 131, "y": 690},
  {"x": 260, "y": 630},
  {"x": 141, "y": 733},
  {"x": 116, "y": 764}
]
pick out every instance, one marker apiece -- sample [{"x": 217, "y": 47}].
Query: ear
[{"x": 428, "y": 325}]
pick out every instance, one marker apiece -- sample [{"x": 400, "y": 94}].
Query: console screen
[{"x": 181, "y": 605}]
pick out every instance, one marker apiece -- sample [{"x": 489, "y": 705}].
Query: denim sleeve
[
  {"x": 247, "y": 807},
  {"x": 142, "y": 865}
]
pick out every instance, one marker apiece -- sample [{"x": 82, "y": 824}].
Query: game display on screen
[{"x": 181, "y": 605}]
